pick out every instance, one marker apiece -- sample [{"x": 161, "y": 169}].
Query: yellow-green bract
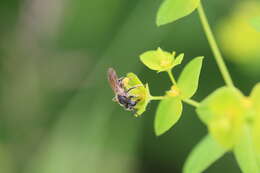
[
  {"x": 205, "y": 153},
  {"x": 255, "y": 97},
  {"x": 224, "y": 113},
  {"x": 160, "y": 60},
  {"x": 245, "y": 153},
  {"x": 189, "y": 78},
  {"x": 167, "y": 114}
]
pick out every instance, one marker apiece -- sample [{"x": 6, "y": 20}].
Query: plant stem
[
  {"x": 191, "y": 102},
  {"x": 157, "y": 97},
  {"x": 212, "y": 42},
  {"x": 188, "y": 101},
  {"x": 171, "y": 77}
]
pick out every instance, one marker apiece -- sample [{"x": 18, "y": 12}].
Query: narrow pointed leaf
[
  {"x": 167, "y": 114},
  {"x": 245, "y": 153},
  {"x": 171, "y": 10},
  {"x": 203, "y": 155},
  {"x": 189, "y": 78}
]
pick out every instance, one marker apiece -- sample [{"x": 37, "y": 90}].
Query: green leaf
[
  {"x": 223, "y": 112},
  {"x": 171, "y": 10},
  {"x": 245, "y": 154},
  {"x": 167, "y": 114},
  {"x": 255, "y": 23},
  {"x": 203, "y": 155},
  {"x": 189, "y": 78},
  {"x": 255, "y": 96}
]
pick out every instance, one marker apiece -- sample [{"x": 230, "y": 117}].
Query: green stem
[
  {"x": 212, "y": 42},
  {"x": 191, "y": 102},
  {"x": 171, "y": 77},
  {"x": 188, "y": 101},
  {"x": 157, "y": 97}
]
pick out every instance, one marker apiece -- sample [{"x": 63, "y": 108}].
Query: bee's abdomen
[{"x": 126, "y": 102}]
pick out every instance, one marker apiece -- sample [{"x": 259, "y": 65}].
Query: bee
[{"x": 122, "y": 96}]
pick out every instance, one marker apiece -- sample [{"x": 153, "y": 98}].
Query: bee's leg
[
  {"x": 114, "y": 99},
  {"x": 136, "y": 101},
  {"x": 135, "y": 112},
  {"x": 133, "y": 87},
  {"x": 132, "y": 96}
]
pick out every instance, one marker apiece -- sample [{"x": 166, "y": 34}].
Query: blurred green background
[{"x": 56, "y": 110}]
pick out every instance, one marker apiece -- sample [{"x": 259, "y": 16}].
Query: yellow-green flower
[
  {"x": 173, "y": 92},
  {"x": 141, "y": 92},
  {"x": 224, "y": 113},
  {"x": 160, "y": 60}
]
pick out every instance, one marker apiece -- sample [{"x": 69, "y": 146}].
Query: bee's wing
[{"x": 112, "y": 79}]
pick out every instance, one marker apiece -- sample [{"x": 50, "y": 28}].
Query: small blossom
[
  {"x": 160, "y": 60},
  {"x": 173, "y": 92},
  {"x": 141, "y": 92}
]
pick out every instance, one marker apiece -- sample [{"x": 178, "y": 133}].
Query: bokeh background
[{"x": 56, "y": 113}]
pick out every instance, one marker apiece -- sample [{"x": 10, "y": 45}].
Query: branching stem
[
  {"x": 191, "y": 102},
  {"x": 157, "y": 97},
  {"x": 188, "y": 101},
  {"x": 171, "y": 77},
  {"x": 214, "y": 47}
]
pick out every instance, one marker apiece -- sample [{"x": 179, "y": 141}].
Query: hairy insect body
[
  {"x": 126, "y": 102},
  {"x": 122, "y": 96}
]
